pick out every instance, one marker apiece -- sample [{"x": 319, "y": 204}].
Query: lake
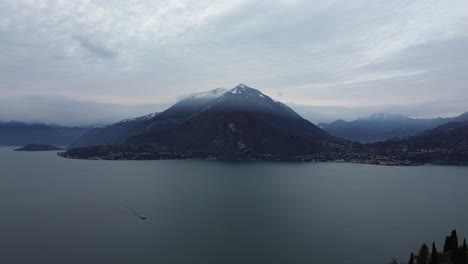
[{"x": 56, "y": 210}]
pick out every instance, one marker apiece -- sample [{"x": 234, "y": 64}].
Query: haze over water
[{"x": 57, "y": 210}]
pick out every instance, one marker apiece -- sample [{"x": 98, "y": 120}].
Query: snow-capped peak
[
  {"x": 253, "y": 95},
  {"x": 385, "y": 116},
  {"x": 239, "y": 89},
  {"x": 210, "y": 94},
  {"x": 245, "y": 90},
  {"x": 140, "y": 118}
]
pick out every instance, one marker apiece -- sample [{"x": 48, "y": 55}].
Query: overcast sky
[{"x": 100, "y": 61}]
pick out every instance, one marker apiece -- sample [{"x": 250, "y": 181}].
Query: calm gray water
[{"x": 55, "y": 210}]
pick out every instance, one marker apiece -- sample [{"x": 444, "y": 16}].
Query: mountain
[
  {"x": 445, "y": 144},
  {"x": 119, "y": 132},
  {"x": 461, "y": 118},
  {"x": 113, "y": 134},
  {"x": 386, "y": 117},
  {"x": 38, "y": 147},
  {"x": 243, "y": 120},
  {"x": 15, "y": 133},
  {"x": 383, "y": 126},
  {"x": 239, "y": 123}
]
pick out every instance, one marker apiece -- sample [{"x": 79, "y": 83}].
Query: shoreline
[{"x": 304, "y": 159}]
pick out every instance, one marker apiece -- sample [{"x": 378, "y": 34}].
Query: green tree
[
  {"x": 434, "y": 255},
  {"x": 464, "y": 252},
  {"x": 423, "y": 256},
  {"x": 411, "y": 260},
  {"x": 451, "y": 242},
  {"x": 460, "y": 254}
]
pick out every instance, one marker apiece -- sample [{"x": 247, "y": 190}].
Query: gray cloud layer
[{"x": 357, "y": 55}]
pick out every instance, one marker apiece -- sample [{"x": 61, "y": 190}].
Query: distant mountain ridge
[
  {"x": 113, "y": 134},
  {"x": 445, "y": 144},
  {"x": 385, "y": 116},
  {"x": 14, "y": 133},
  {"x": 383, "y": 126}
]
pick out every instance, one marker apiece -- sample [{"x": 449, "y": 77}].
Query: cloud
[
  {"x": 96, "y": 49},
  {"x": 347, "y": 53},
  {"x": 64, "y": 111}
]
